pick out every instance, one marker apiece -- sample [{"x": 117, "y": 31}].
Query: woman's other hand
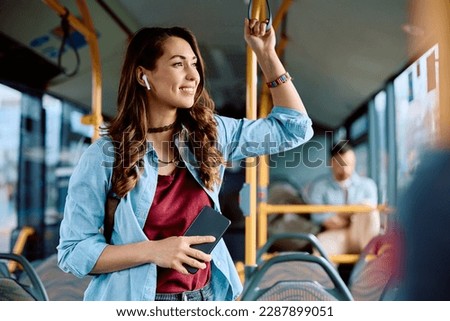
[{"x": 175, "y": 251}]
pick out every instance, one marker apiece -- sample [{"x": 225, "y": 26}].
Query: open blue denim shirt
[{"x": 81, "y": 243}]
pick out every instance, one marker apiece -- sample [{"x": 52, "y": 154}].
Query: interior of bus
[{"x": 373, "y": 73}]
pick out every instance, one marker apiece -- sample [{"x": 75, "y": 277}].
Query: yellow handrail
[
  {"x": 322, "y": 208},
  {"x": 258, "y": 11},
  {"x": 264, "y": 109},
  {"x": 86, "y": 28},
  {"x": 279, "y": 209},
  {"x": 19, "y": 246}
]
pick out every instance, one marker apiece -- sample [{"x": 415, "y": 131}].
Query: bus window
[
  {"x": 53, "y": 113},
  {"x": 380, "y": 159},
  {"x": 362, "y": 155},
  {"x": 10, "y": 101},
  {"x": 416, "y": 101}
]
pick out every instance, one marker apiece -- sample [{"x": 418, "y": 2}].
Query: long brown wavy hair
[{"x": 128, "y": 129}]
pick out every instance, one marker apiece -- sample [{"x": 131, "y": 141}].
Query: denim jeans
[{"x": 203, "y": 294}]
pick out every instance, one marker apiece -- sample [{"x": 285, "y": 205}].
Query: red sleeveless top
[{"x": 178, "y": 199}]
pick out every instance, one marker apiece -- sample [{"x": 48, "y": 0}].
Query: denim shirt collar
[{"x": 181, "y": 140}]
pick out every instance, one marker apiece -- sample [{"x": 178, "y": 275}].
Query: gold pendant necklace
[{"x": 167, "y": 162}]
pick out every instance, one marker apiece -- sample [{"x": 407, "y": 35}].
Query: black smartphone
[{"x": 208, "y": 222}]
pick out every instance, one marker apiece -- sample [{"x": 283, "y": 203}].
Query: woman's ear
[{"x": 142, "y": 78}]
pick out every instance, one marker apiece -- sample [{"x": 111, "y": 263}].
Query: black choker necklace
[{"x": 162, "y": 129}]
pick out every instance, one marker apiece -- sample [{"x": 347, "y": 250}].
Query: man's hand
[{"x": 337, "y": 222}]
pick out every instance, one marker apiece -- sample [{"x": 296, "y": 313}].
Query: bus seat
[
  {"x": 11, "y": 286},
  {"x": 294, "y": 274},
  {"x": 10, "y": 290},
  {"x": 283, "y": 278}
]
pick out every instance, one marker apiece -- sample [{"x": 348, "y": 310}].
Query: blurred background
[{"x": 368, "y": 71}]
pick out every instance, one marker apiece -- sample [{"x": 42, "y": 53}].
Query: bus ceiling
[{"x": 338, "y": 52}]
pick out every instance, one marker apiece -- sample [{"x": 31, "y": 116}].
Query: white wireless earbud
[{"x": 144, "y": 78}]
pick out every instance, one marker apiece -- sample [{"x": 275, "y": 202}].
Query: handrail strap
[{"x": 269, "y": 13}]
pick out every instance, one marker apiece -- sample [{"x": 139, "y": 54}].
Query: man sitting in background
[{"x": 344, "y": 232}]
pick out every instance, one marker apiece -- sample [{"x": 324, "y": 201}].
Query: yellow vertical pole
[
  {"x": 263, "y": 183},
  {"x": 96, "y": 116},
  {"x": 263, "y": 174},
  {"x": 258, "y": 12},
  {"x": 250, "y": 171},
  {"x": 263, "y": 166},
  {"x": 86, "y": 28},
  {"x": 281, "y": 13}
]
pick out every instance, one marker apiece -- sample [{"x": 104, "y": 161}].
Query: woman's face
[{"x": 175, "y": 78}]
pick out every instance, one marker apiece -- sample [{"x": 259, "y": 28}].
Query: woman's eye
[{"x": 178, "y": 64}]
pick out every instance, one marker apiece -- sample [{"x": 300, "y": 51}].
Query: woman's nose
[{"x": 192, "y": 74}]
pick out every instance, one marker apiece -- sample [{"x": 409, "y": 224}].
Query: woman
[{"x": 171, "y": 150}]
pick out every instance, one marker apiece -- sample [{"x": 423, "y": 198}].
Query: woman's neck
[
  {"x": 161, "y": 116},
  {"x": 161, "y": 138}
]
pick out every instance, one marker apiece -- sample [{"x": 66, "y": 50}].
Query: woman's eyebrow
[{"x": 182, "y": 57}]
